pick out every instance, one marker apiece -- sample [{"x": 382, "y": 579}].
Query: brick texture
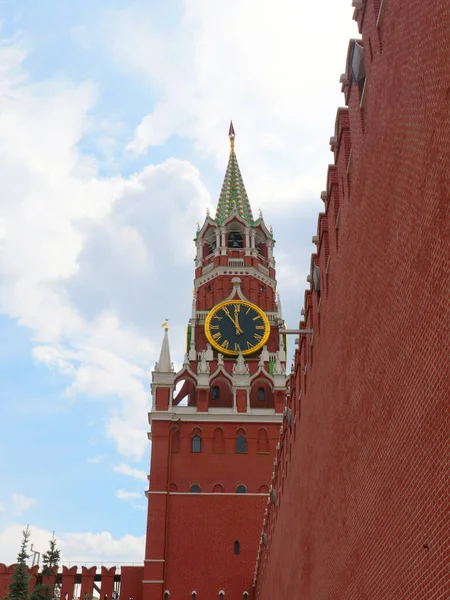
[{"x": 363, "y": 489}]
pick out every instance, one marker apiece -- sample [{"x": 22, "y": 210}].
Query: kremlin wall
[
  {"x": 362, "y": 480},
  {"x": 350, "y": 498}
]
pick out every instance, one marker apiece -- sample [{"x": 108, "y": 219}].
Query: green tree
[
  {"x": 18, "y": 587},
  {"x": 50, "y": 560}
]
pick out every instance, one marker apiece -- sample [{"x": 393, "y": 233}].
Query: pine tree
[
  {"x": 18, "y": 587},
  {"x": 50, "y": 560}
]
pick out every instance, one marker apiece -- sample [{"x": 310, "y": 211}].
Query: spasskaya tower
[{"x": 215, "y": 423}]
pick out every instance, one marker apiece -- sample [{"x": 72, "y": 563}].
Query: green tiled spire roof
[{"x": 233, "y": 192}]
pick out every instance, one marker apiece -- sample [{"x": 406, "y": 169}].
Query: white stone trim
[
  {"x": 157, "y": 560},
  {"x": 223, "y": 270},
  {"x": 230, "y": 417},
  {"x": 210, "y": 494}
]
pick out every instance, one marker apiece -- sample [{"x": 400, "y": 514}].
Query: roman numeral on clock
[
  {"x": 259, "y": 327},
  {"x": 217, "y": 336},
  {"x": 237, "y": 348},
  {"x": 216, "y": 327},
  {"x": 225, "y": 344},
  {"x": 258, "y": 337},
  {"x": 249, "y": 346}
]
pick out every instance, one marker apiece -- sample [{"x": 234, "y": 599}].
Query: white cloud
[
  {"x": 20, "y": 503},
  {"x": 82, "y": 547},
  {"x": 102, "y": 547},
  {"x": 95, "y": 460},
  {"x": 123, "y": 495},
  {"x": 271, "y": 70},
  {"x": 130, "y": 471},
  {"x": 81, "y": 255},
  {"x": 131, "y": 497}
]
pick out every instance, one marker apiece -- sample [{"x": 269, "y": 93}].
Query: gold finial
[
  {"x": 166, "y": 325},
  {"x": 231, "y": 135}
]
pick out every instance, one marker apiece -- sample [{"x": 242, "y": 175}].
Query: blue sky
[{"x": 113, "y": 142}]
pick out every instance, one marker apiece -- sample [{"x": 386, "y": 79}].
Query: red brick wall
[
  {"x": 198, "y": 530},
  {"x": 363, "y": 491},
  {"x": 201, "y": 548},
  {"x": 210, "y": 467}
]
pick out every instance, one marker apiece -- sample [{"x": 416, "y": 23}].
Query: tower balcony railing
[{"x": 235, "y": 262}]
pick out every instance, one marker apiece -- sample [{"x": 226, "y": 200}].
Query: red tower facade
[{"x": 215, "y": 424}]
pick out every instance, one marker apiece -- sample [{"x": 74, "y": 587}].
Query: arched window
[
  {"x": 261, "y": 394},
  {"x": 185, "y": 392},
  {"x": 221, "y": 595},
  {"x": 195, "y": 488},
  {"x": 235, "y": 240},
  {"x": 245, "y": 595},
  {"x": 196, "y": 443},
  {"x": 263, "y": 442},
  {"x": 166, "y": 595},
  {"x": 173, "y": 487},
  {"x": 237, "y": 547},
  {"x": 241, "y": 489},
  {"x": 218, "y": 488},
  {"x": 194, "y": 595},
  {"x": 241, "y": 442},
  {"x": 263, "y": 489},
  {"x": 218, "y": 441},
  {"x": 215, "y": 393}
]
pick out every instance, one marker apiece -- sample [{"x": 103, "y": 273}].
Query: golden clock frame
[{"x": 213, "y": 343}]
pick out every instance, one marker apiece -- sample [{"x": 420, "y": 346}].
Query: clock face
[{"x": 237, "y": 326}]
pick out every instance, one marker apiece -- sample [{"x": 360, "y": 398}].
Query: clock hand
[
  {"x": 236, "y": 317},
  {"x": 227, "y": 312}
]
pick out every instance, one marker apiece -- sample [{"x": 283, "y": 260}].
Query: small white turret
[{"x": 164, "y": 364}]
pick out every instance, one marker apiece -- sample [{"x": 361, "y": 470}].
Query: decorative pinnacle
[
  {"x": 166, "y": 325},
  {"x": 231, "y": 135}
]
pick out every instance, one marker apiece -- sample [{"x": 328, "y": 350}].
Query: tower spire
[{"x": 233, "y": 193}]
